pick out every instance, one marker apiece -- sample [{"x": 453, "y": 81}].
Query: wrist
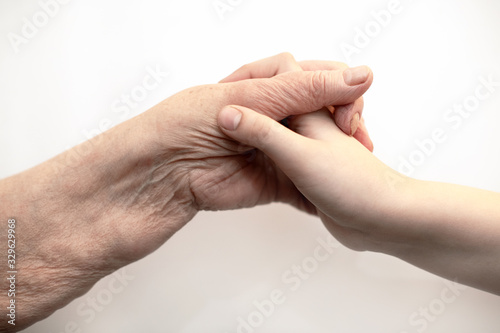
[
  {"x": 374, "y": 219},
  {"x": 130, "y": 191},
  {"x": 91, "y": 210},
  {"x": 390, "y": 229}
]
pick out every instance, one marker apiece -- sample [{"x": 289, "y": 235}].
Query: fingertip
[
  {"x": 363, "y": 137},
  {"x": 229, "y": 118},
  {"x": 357, "y": 75},
  {"x": 354, "y": 124},
  {"x": 343, "y": 117}
]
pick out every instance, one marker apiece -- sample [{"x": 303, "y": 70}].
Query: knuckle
[
  {"x": 318, "y": 85},
  {"x": 269, "y": 97},
  {"x": 343, "y": 112},
  {"x": 342, "y": 117}
]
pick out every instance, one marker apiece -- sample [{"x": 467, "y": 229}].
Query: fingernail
[
  {"x": 229, "y": 118},
  {"x": 354, "y": 123},
  {"x": 357, "y": 75}
]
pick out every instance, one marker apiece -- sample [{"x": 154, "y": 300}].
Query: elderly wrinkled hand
[{"x": 84, "y": 215}]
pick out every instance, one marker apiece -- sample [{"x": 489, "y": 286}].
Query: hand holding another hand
[
  {"x": 119, "y": 196},
  {"x": 449, "y": 230}
]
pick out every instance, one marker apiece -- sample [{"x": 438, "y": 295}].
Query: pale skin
[
  {"x": 113, "y": 200},
  {"x": 118, "y": 197},
  {"x": 450, "y": 230}
]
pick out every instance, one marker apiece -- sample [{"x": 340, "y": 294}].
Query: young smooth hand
[{"x": 450, "y": 230}]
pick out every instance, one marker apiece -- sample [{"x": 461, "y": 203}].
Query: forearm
[
  {"x": 450, "y": 230},
  {"x": 86, "y": 213}
]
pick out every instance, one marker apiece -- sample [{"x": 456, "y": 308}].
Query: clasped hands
[
  {"x": 317, "y": 165},
  {"x": 119, "y": 196},
  {"x": 237, "y": 154}
]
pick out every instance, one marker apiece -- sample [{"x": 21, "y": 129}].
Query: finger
[
  {"x": 297, "y": 93},
  {"x": 251, "y": 128},
  {"x": 344, "y": 114},
  {"x": 347, "y": 117},
  {"x": 265, "y": 68},
  {"x": 362, "y": 136},
  {"x": 316, "y": 125}
]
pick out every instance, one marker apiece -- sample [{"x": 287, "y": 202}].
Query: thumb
[
  {"x": 296, "y": 93},
  {"x": 249, "y": 127}
]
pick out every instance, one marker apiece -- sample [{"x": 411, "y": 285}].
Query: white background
[{"x": 66, "y": 78}]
